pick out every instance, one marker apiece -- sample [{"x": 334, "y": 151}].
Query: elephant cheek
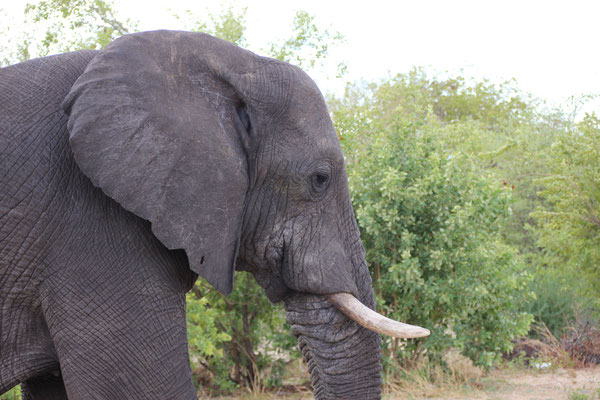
[
  {"x": 274, "y": 287},
  {"x": 325, "y": 271}
]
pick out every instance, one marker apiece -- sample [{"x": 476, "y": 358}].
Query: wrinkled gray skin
[{"x": 126, "y": 172}]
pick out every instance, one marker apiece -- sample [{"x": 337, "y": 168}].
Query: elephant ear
[{"x": 154, "y": 122}]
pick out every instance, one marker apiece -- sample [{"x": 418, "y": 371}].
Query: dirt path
[
  {"x": 550, "y": 385},
  {"x": 582, "y": 384}
]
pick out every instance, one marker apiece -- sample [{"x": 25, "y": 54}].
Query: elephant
[{"x": 127, "y": 172}]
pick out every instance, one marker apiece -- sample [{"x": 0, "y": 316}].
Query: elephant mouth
[
  {"x": 356, "y": 311},
  {"x": 279, "y": 286},
  {"x": 350, "y": 306}
]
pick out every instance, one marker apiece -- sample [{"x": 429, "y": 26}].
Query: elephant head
[{"x": 233, "y": 158}]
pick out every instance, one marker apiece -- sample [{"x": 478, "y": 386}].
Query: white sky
[{"x": 551, "y": 47}]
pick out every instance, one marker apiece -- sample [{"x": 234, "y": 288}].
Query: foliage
[
  {"x": 308, "y": 44},
  {"x": 493, "y": 125},
  {"x": 578, "y": 396},
  {"x": 569, "y": 219},
  {"x": 12, "y": 394},
  {"x": 558, "y": 299},
  {"x": 257, "y": 342},
  {"x": 15, "y": 43},
  {"x": 428, "y": 380},
  {"x": 430, "y": 221},
  {"x": 56, "y": 26},
  {"x": 204, "y": 334},
  {"x": 307, "y": 47},
  {"x": 513, "y": 139},
  {"x": 229, "y": 24}
]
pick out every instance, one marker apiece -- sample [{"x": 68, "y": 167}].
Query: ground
[
  {"x": 501, "y": 384},
  {"x": 526, "y": 385}
]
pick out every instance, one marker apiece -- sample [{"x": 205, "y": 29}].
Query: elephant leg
[
  {"x": 118, "y": 322},
  {"x": 127, "y": 354},
  {"x": 47, "y": 387}
]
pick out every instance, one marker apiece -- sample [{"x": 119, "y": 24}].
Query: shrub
[
  {"x": 557, "y": 299},
  {"x": 242, "y": 339},
  {"x": 12, "y": 394},
  {"x": 430, "y": 225}
]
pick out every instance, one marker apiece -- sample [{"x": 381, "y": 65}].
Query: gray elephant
[{"x": 126, "y": 172}]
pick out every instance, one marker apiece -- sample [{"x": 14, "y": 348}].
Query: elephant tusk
[{"x": 363, "y": 315}]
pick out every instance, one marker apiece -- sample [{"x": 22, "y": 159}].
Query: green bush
[
  {"x": 481, "y": 158},
  {"x": 12, "y": 394},
  {"x": 430, "y": 224},
  {"x": 557, "y": 300},
  {"x": 242, "y": 339},
  {"x": 569, "y": 218}
]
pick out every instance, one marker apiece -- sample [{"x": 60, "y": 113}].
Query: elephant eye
[{"x": 319, "y": 181}]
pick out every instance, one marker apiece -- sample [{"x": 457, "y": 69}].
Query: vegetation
[
  {"x": 569, "y": 218},
  {"x": 430, "y": 222},
  {"x": 500, "y": 134},
  {"x": 64, "y": 25},
  {"x": 578, "y": 396},
  {"x": 479, "y": 208},
  {"x": 13, "y": 394}
]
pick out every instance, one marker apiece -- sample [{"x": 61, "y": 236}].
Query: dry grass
[
  {"x": 549, "y": 348},
  {"x": 304, "y": 395},
  {"x": 289, "y": 393},
  {"x": 296, "y": 385},
  {"x": 429, "y": 381},
  {"x": 582, "y": 341},
  {"x": 500, "y": 384},
  {"x": 579, "y": 348},
  {"x": 561, "y": 368}
]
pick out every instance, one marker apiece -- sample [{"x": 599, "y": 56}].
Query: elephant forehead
[
  {"x": 318, "y": 139},
  {"x": 303, "y": 149},
  {"x": 308, "y": 123}
]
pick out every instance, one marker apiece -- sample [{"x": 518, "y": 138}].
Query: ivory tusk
[{"x": 363, "y": 315}]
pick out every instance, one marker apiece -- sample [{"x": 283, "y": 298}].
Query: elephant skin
[{"x": 127, "y": 172}]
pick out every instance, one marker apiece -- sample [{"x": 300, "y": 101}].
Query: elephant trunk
[
  {"x": 343, "y": 357},
  {"x": 338, "y": 331}
]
